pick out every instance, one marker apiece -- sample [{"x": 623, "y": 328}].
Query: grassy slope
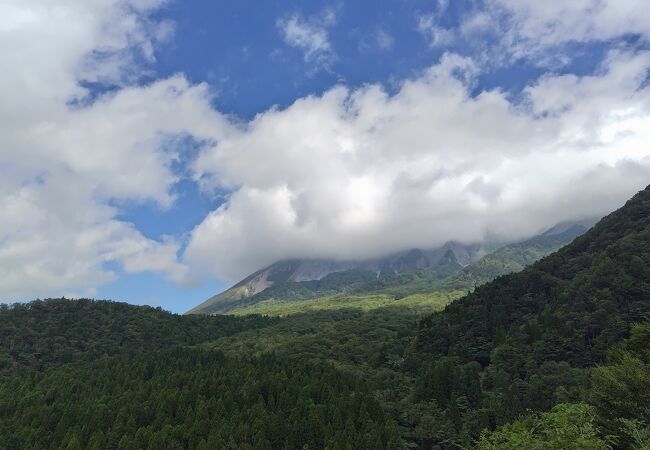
[{"x": 420, "y": 302}]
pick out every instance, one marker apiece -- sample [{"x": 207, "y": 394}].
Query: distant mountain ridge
[
  {"x": 447, "y": 259},
  {"x": 453, "y": 266},
  {"x": 515, "y": 257}
]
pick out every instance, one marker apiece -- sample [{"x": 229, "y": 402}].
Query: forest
[{"x": 556, "y": 356}]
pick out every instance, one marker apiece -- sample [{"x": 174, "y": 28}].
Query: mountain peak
[{"x": 461, "y": 266}]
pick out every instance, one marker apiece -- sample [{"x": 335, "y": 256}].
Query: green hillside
[
  {"x": 533, "y": 335},
  {"x": 430, "y": 301},
  {"x": 512, "y": 257},
  {"x": 85, "y": 374}
]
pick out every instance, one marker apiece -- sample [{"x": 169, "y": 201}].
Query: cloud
[
  {"x": 500, "y": 32},
  {"x": 384, "y": 40},
  {"x": 358, "y": 173},
  {"x": 555, "y": 22},
  {"x": 67, "y": 156},
  {"x": 541, "y": 31},
  {"x": 310, "y": 36},
  {"x": 378, "y": 41},
  {"x": 352, "y": 173},
  {"x": 436, "y": 35}
]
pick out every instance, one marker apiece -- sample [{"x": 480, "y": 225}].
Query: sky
[{"x": 156, "y": 151}]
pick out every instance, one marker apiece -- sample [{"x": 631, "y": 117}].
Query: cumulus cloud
[
  {"x": 359, "y": 173},
  {"x": 66, "y": 157},
  {"x": 310, "y": 36},
  {"x": 352, "y": 173}
]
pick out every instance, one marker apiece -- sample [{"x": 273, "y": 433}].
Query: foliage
[
  {"x": 182, "y": 398},
  {"x": 566, "y": 427},
  {"x": 620, "y": 391},
  {"x": 425, "y": 302},
  {"x": 536, "y": 333},
  {"x": 511, "y": 258},
  {"x": 157, "y": 389},
  {"x": 56, "y": 331}
]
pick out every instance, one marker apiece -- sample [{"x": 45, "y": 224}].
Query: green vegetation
[
  {"x": 511, "y": 258},
  {"x": 425, "y": 302},
  {"x": 85, "y": 374},
  {"x": 618, "y": 413},
  {"x": 565, "y": 427},
  {"x": 41, "y": 334},
  {"x": 536, "y": 334},
  {"x": 191, "y": 399},
  {"x": 553, "y": 357},
  {"x": 620, "y": 390}
]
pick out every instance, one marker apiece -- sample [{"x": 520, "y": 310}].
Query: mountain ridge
[
  {"x": 297, "y": 270},
  {"x": 452, "y": 267}
]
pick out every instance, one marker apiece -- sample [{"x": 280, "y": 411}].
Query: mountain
[
  {"x": 554, "y": 356},
  {"x": 299, "y": 279},
  {"x": 514, "y": 257},
  {"x": 603, "y": 269},
  {"x": 451, "y": 268}
]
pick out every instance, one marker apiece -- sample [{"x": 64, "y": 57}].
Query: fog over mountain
[{"x": 360, "y": 173}]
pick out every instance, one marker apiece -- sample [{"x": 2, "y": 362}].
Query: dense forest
[
  {"x": 531, "y": 337},
  {"x": 84, "y": 374},
  {"x": 555, "y": 356}
]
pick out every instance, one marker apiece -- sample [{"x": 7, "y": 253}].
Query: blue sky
[{"x": 175, "y": 147}]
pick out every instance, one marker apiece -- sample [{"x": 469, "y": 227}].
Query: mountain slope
[
  {"x": 48, "y": 332},
  {"x": 514, "y": 257},
  {"x": 531, "y": 338},
  {"x": 498, "y": 354},
  {"x": 449, "y": 271},
  {"x": 288, "y": 279},
  {"x": 606, "y": 266},
  {"x": 84, "y": 374}
]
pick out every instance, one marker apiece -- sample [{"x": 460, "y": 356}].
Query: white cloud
[
  {"x": 556, "y": 22},
  {"x": 310, "y": 36},
  {"x": 498, "y": 32},
  {"x": 378, "y": 41},
  {"x": 540, "y": 31},
  {"x": 436, "y": 35},
  {"x": 360, "y": 173},
  {"x": 64, "y": 158}
]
